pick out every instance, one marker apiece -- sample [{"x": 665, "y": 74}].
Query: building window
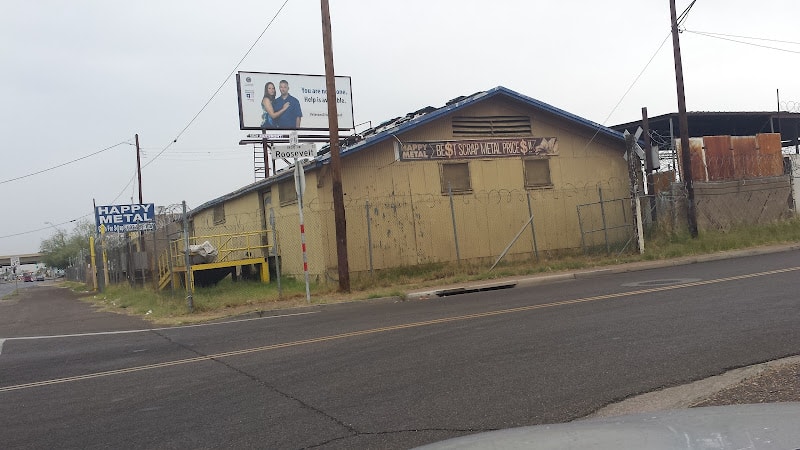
[
  {"x": 537, "y": 172},
  {"x": 491, "y": 126},
  {"x": 287, "y": 192},
  {"x": 455, "y": 177},
  {"x": 219, "y": 214}
]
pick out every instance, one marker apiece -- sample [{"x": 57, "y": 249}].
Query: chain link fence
[
  {"x": 484, "y": 227},
  {"x": 405, "y": 229}
]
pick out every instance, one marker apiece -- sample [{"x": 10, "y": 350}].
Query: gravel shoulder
[{"x": 769, "y": 382}]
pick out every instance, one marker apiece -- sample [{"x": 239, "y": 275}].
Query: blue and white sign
[{"x": 124, "y": 218}]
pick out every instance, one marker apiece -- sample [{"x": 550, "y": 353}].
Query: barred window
[
  {"x": 537, "y": 172},
  {"x": 492, "y": 126},
  {"x": 287, "y": 192},
  {"x": 219, "y": 214},
  {"x": 455, "y": 177}
]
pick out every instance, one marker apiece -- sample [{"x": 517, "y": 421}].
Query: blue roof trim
[
  {"x": 391, "y": 133},
  {"x": 494, "y": 92}
]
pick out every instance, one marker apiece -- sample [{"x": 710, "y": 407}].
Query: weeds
[{"x": 229, "y": 298}]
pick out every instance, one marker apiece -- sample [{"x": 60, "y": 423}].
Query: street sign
[
  {"x": 304, "y": 150},
  {"x": 636, "y": 147},
  {"x": 265, "y": 136},
  {"x": 15, "y": 261}
]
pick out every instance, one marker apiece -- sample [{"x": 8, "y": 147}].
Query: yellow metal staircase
[{"x": 237, "y": 249}]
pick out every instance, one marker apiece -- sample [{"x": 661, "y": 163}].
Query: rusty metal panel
[
  {"x": 770, "y": 156},
  {"x": 663, "y": 180},
  {"x": 699, "y": 172},
  {"x": 718, "y": 158},
  {"x": 696, "y": 158},
  {"x": 745, "y": 157}
]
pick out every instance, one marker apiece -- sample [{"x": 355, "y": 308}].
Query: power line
[
  {"x": 721, "y": 37},
  {"x": 682, "y": 17},
  {"x": 44, "y": 228},
  {"x": 247, "y": 53},
  {"x": 708, "y": 33},
  {"x": 205, "y": 105},
  {"x": 685, "y": 13},
  {"x": 64, "y": 164}
]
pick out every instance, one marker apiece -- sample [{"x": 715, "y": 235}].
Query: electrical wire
[
  {"x": 246, "y": 54},
  {"x": 685, "y": 12},
  {"x": 680, "y": 19},
  {"x": 744, "y": 37},
  {"x": 64, "y": 164},
  {"x": 45, "y": 228},
  {"x": 722, "y": 37},
  {"x": 205, "y": 105}
]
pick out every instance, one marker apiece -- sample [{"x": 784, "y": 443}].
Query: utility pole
[
  {"x": 139, "y": 168},
  {"x": 139, "y": 174},
  {"x": 336, "y": 166},
  {"x": 683, "y": 123}
]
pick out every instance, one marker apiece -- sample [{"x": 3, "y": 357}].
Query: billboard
[
  {"x": 280, "y": 101},
  {"x": 124, "y": 218}
]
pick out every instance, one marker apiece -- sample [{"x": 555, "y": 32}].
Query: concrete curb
[
  {"x": 535, "y": 280},
  {"x": 686, "y": 395}
]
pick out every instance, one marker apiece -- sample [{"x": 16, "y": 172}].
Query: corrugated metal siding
[
  {"x": 771, "y": 158},
  {"x": 723, "y": 158},
  {"x": 743, "y": 152},
  {"x": 719, "y": 158},
  {"x": 697, "y": 158}
]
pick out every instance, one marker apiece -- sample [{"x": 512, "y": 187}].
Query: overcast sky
[{"x": 82, "y": 77}]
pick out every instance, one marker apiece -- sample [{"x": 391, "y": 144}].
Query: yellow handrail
[{"x": 230, "y": 247}]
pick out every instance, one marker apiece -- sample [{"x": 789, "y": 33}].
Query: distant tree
[{"x": 62, "y": 249}]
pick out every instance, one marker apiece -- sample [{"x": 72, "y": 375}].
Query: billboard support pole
[
  {"x": 265, "y": 150},
  {"x": 336, "y": 168}
]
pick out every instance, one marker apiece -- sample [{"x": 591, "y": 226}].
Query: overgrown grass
[{"x": 230, "y": 298}]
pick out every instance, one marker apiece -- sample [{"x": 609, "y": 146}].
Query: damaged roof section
[{"x": 391, "y": 128}]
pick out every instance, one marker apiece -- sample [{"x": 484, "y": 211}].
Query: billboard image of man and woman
[{"x": 277, "y": 101}]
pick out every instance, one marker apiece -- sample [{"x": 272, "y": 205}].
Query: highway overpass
[{"x": 31, "y": 258}]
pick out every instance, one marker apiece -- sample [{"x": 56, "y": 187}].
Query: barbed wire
[{"x": 790, "y": 106}]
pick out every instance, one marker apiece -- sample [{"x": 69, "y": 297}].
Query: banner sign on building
[
  {"x": 280, "y": 101},
  {"x": 487, "y": 148},
  {"x": 124, "y": 218}
]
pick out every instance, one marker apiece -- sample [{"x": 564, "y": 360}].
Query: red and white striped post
[{"x": 300, "y": 188}]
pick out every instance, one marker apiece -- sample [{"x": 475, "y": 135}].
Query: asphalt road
[{"x": 386, "y": 373}]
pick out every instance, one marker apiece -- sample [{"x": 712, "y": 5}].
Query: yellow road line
[{"x": 387, "y": 329}]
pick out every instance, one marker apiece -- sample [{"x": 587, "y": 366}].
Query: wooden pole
[
  {"x": 683, "y": 123},
  {"x": 336, "y": 168}
]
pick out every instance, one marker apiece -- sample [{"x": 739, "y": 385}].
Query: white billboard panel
[{"x": 279, "y": 101}]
